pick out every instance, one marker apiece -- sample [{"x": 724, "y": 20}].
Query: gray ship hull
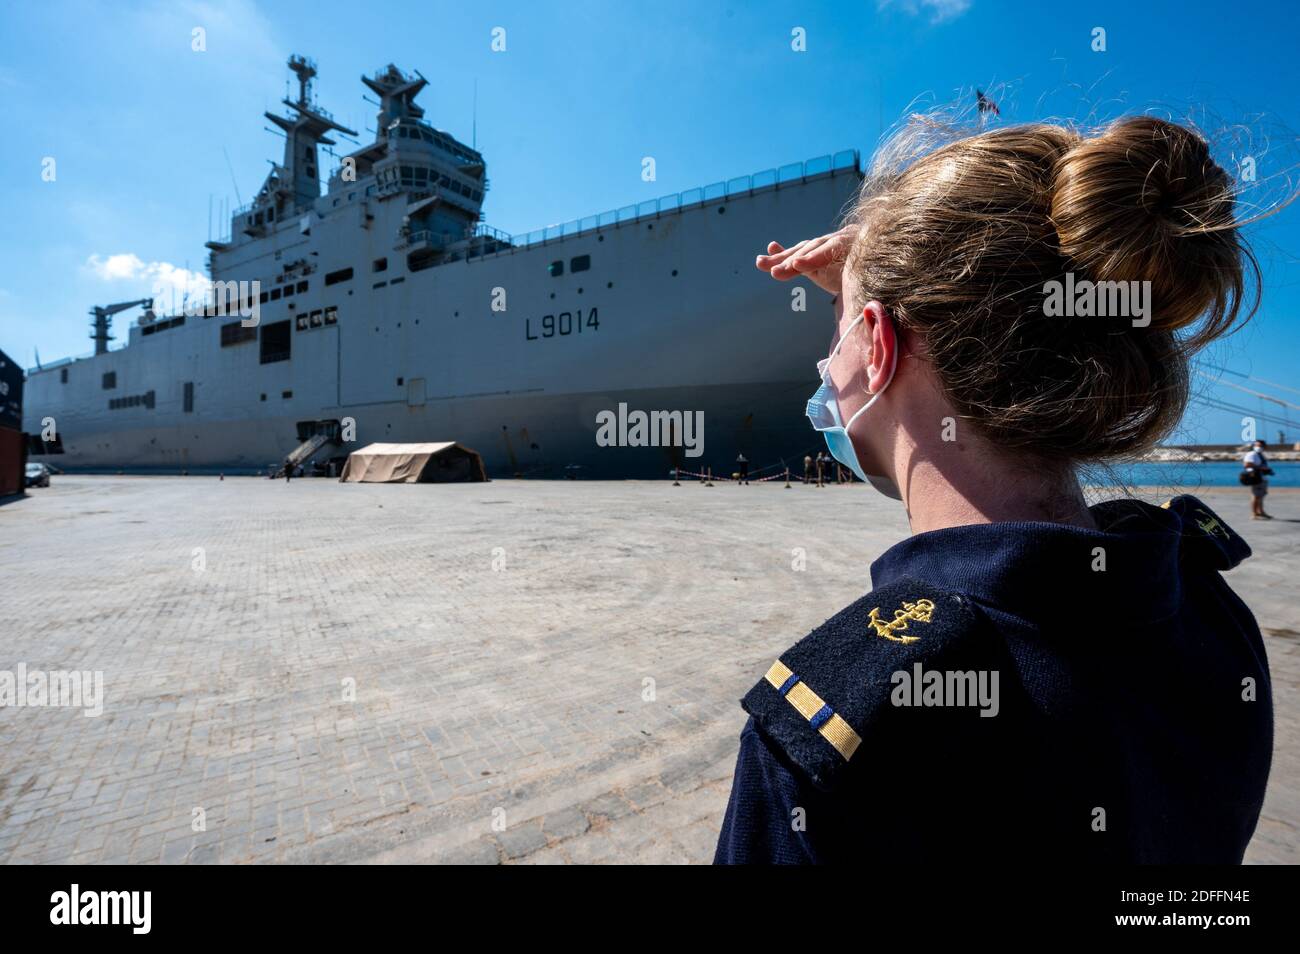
[
  {"x": 512, "y": 353},
  {"x": 553, "y": 436}
]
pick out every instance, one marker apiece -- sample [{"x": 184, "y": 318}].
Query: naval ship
[{"x": 388, "y": 310}]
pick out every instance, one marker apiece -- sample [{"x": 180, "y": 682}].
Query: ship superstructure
[{"x": 389, "y": 311}]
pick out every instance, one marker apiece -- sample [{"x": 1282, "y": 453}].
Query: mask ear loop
[
  {"x": 840, "y": 344},
  {"x": 893, "y": 366}
]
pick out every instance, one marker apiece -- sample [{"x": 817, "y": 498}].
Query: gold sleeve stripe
[
  {"x": 841, "y": 735},
  {"x": 808, "y": 704},
  {"x": 778, "y": 674}
]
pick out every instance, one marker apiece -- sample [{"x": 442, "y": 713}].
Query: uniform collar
[{"x": 1040, "y": 570}]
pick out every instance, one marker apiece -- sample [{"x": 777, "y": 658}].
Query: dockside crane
[{"x": 103, "y": 314}]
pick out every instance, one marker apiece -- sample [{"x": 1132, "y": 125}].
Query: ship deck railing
[{"x": 767, "y": 180}]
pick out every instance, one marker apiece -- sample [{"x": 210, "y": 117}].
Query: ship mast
[
  {"x": 299, "y": 176},
  {"x": 396, "y": 93}
]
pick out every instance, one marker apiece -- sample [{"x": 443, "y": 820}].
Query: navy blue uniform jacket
[{"x": 1132, "y": 721}]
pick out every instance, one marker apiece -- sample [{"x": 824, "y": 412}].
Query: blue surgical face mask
[{"x": 824, "y": 413}]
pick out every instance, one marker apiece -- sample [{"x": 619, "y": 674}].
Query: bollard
[
  {"x": 677, "y": 473},
  {"x": 787, "y": 478},
  {"x": 709, "y": 481},
  {"x": 223, "y": 476}
]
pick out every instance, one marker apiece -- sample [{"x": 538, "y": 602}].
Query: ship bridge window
[
  {"x": 342, "y": 275},
  {"x": 556, "y": 269},
  {"x": 110, "y": 380},
  {"x": 379, "y": 265},
  {"x": 302, "y": 287},
  {"x": 275, "y": 342},
  {"x": 275, "y": 294},
  {"x": 331, "y": 316},
  {"x": 580, "y": 263},
  {"x": 63, "y": 375}
]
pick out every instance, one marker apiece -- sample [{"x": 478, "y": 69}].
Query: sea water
[{"x": 1187, "y": 474}]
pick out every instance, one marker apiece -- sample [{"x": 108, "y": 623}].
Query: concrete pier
[{"x": 504, "y": 672}]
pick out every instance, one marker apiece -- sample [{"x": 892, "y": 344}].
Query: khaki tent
[{"x": 441, "y": 463}]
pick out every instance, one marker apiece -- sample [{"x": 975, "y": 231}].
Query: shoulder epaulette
[
  {"x": 1205, "y": 535},
  {"x": 819, "y": 700}
]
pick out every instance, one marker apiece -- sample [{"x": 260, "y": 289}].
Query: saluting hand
[{"x": 820, "y": 259}]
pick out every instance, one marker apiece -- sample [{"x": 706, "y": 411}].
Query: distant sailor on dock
[{"x": 1255, "y": 471}]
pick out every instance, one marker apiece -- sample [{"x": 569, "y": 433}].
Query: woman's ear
[{"x": 884, "y": 345}]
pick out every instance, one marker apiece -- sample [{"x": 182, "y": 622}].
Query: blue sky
[{"x": 137, "y": 121}]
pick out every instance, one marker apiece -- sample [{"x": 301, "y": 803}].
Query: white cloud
[
  {"x": 168, "y": 283},
  {"x": 939, "y": 11},
  {"x": 115, "y": 266}
]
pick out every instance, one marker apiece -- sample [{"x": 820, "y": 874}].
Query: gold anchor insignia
[
  {"x": 1211, "y": 526},
  {"x": 921, "y": 611}
]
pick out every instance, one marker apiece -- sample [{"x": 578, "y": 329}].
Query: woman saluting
[{"x": 1028, "y": 675}]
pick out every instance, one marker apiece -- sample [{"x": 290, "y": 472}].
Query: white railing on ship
[{"x": 717, "y": 191}]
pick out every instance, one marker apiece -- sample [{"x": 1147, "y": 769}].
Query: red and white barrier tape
[{"x": 734, "y": 479}]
